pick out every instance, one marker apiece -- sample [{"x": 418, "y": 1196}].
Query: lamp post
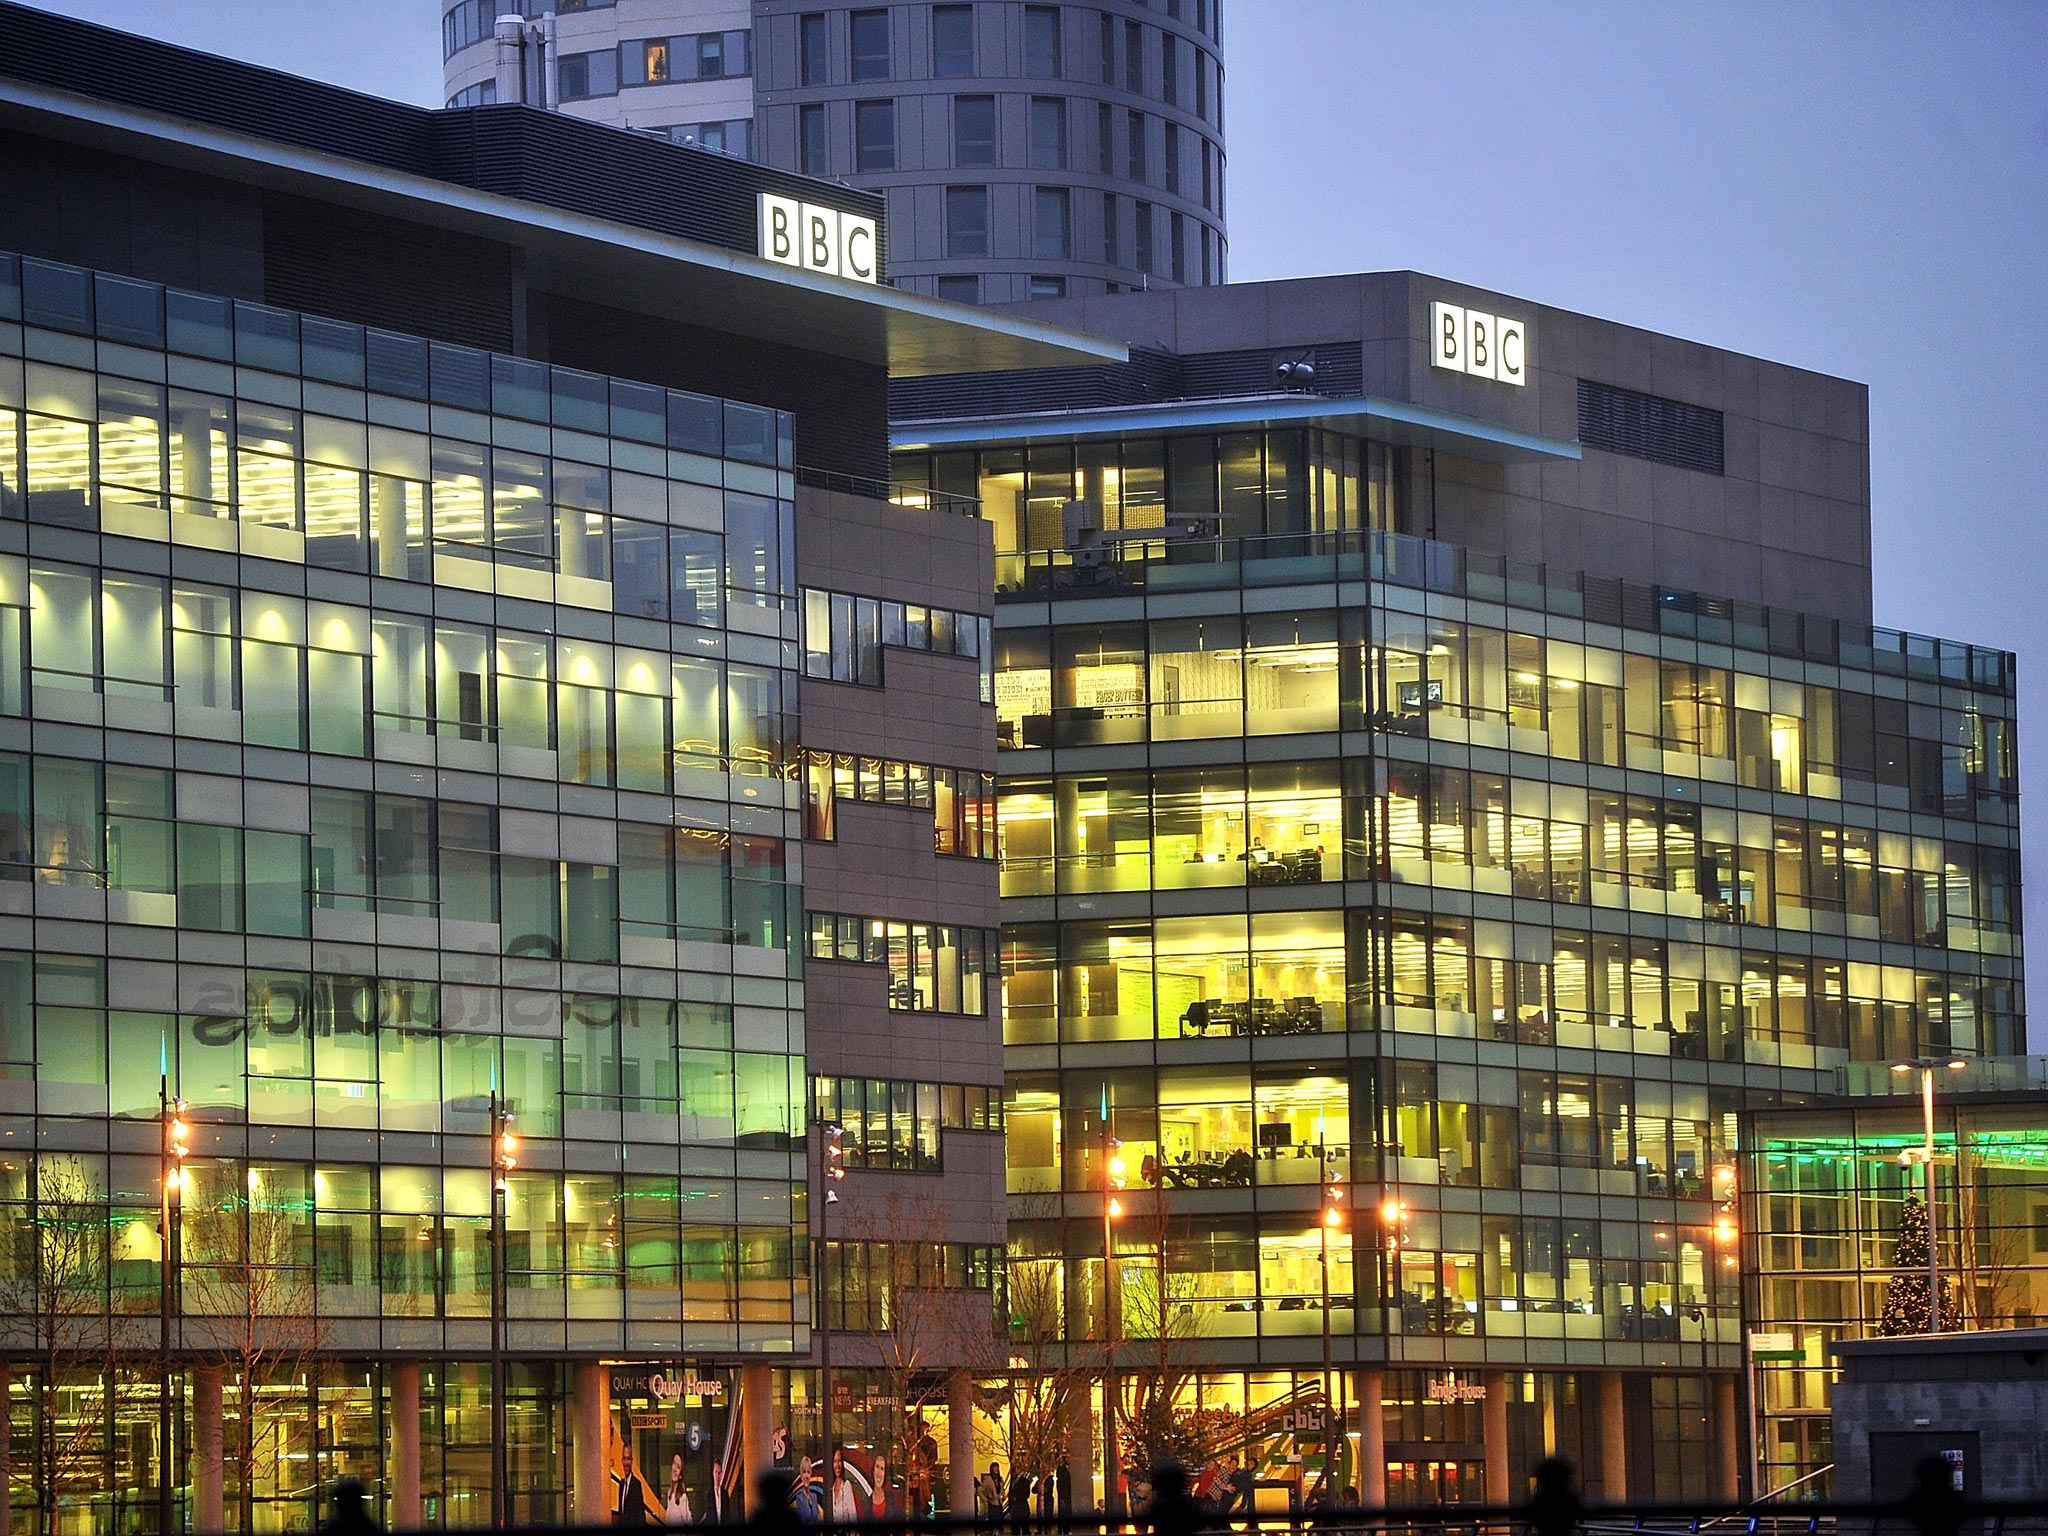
[
  {"x": 504, "y": 1147},
  {"x": 176, "y": 1148},
  {"x": 1925, "y": 1066},
  {"x": 832, "y": 1153},
  {"x": 1112, "y": 1389},
  {"x": 1333, "y": 1218}
]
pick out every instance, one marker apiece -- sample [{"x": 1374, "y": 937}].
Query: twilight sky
[{"x": 1859, "y": 188}]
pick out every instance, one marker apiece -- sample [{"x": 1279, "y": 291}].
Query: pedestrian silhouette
[
  {"x": 1171, "y": 1512},
  {"x": 349, "y": 1511},
  {"x": 773, "y": 1514},
  {"x": 1554, "y": 1508},
  {"x": 1934, "y": 1506}
]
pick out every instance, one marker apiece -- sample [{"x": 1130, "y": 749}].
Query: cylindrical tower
[{"x": 1027, "y": 150}]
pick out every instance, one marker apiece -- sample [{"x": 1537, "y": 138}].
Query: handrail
[{"x": 902, "y": 493}]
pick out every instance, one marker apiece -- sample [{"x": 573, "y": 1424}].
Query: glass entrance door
[{"x": 1435, "y": 1482}]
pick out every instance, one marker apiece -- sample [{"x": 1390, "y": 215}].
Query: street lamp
[
  {"x": 1112, "y": 1388},
  {"x": 1925, "y": 1065},
  {"x": 177, "y": 1146},
  {"x": 832, "y": 1153},
  {"x": 504, "y": 1150},
  {"x": 1333, "y": 1220}
]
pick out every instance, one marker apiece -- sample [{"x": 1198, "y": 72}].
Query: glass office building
[
  {"x": 408, "y": 525},
  {"x": 392, "y": 725},
  {"x": 1505, "y": 887},
  {"x": 1829, "y": 1195}
]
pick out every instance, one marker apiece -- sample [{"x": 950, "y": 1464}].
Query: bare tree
[
  {"x": 1034, "y": 1403},
  {"x": 1988, "y": 1249},
  {"x": 1160, "y": 1349},
  {"x": 923, "y": 1324},
  {"x": 57, "y": 1315},
  {"x": 248, "y": 1303}
]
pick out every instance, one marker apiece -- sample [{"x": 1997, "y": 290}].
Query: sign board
[
  {"x": 1485, "y": 346},
  {"x": 819, "y": 239},
  {"x": 1446, "y": 1389},
  {"x": 1774, "y": 1346},
  {"x": 668, "y": 1385}
]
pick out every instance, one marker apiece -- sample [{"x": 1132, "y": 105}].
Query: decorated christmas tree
[{"x": 1905, "y": 1295}]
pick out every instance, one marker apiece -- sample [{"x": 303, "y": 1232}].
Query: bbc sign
[
  {"x": 819, "y": 239},
  {"x": 1472, "y": 341}
]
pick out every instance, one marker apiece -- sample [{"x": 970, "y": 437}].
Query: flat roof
[
  {"x": 1393, "y": 420},
  {"x": 663, "y": 228}
]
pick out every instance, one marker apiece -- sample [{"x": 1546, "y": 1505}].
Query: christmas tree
[{"x": 1905, "y": 1295}]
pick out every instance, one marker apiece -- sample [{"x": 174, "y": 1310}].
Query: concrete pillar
[
  {"x": 1372, "y": 1438},
  {"x": 405, "y": 1445},
  {"x": 1727, "y": 1441},
  {"x": 195, "y": 452},
  {"x": 209, "y": 1466},
  {"x": 1494, "y": 1429},
  {"x": 387, "y": 524},
  {"x": 960, "y": 1445},
  {"x": 757, "y": 1428},
  {"x": 1081, "y": 1452},
  {"x": 1613, "y": 1437},
  {"x": 590, "y": 1493}
]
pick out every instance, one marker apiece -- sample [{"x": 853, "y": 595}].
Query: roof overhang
[
  {"x": 1390, "y": 420},
  {"x": 704, "y": 285}
]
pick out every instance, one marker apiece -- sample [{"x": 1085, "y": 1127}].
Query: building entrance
[{"x": 1435, "y": 1482}]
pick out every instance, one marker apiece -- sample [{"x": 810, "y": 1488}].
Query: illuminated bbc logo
[
  {"x": 1472, "y": 341},
  {"x": 818, "y": 239}
]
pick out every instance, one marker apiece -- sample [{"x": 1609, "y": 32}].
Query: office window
[
  {"x": 1048, "y": 133},
  {"x": 1208, "y": 175},
  {"x": 1048, "y": 287},
  {"x": 1134, "y": 57},
  {"x": 967, "y": 221},
  {"x": 870, "y": 45},
  {"x": 812, "y": 51},
  {"x": 1141, "y": 214},
  {"x": 1041, "y": 42},
  {"x": 645, "y": 61},
  {"x": 961, "y": 288},
  {"x": 1177, "y": 234},
  {"x": 711, "y": 56},
  {"x": 810, "y": 140},
  {"x": 1208, "y": 255},
  {"x": 1107, "y": 43},
  {"x": 1169, "y": 68},
  {"x": 1136, "y": 130},
  {"x": 581, "y": 76},
  {"x": 1173, "y": 157},
  {"x": 1110, "y": 244},
  {"x": 874, "y": 136},
  {"x": 974, "y": 130},
  {"x": 1201, "y": 84},
  {"x": 1105, "y": 139},
  {"x": 952, "y": 41},
  {"x": 728, "y": 138},
  {"x": 1051, "y": 223}
]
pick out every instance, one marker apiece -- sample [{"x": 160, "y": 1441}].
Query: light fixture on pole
[
  {"x": 177, "y": 1146},
  {"x": 1925, "y": 1066},
  {"x": 504, "y": 1158},
  {"x": 1333, "y": 1221},
  {"x": 832, "y": 1154},
  {"x": 1112, "y": 1390}
]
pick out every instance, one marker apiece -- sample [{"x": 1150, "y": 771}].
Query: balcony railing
[{"x": 921, "y": 498}]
